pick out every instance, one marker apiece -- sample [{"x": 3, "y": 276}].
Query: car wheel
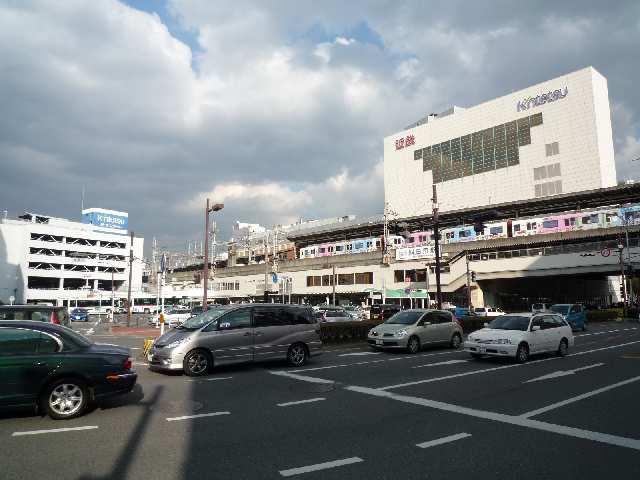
[
  {"x": 476, "y": 356},
  {"x": 563, "y": 348},
  {"x": 197, "y": 363},
  {"x": 147, "y": 311},
  {"x": 413, "y": 344},
  {"x": 522, "y": 355},
  {"x": 455, "y": 341},
  {"x": 297, "y": 355},
  {"x": 65, "y": 398}
]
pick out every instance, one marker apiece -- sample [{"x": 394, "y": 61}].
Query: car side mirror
[
  {"x": 224, "y": 326},
  {"x": 535, "y": 328}
]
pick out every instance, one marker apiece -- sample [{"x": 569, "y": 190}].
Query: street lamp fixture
[{"x": 216, "y": 207}]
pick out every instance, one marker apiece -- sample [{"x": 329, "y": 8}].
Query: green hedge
[
  {"x": 610, "y": 314},
  {"x": 345, "y": 332}
]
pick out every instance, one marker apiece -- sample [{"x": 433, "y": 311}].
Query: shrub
[
  {"x": 604, "y": 315},
  {"x": 343, "y": 332}
]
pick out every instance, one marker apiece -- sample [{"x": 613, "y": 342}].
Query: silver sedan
[{"x": 414, "y": 329}]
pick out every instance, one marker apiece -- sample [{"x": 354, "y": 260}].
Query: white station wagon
[{"x": 520, "y": 335}]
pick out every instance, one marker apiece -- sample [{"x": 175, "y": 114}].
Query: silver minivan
[{"x": 238, "y": 333}]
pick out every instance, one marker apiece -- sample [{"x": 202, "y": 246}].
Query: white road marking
[
  {"x": 625, "y": 442},
  {"x": 606, "y": 331},
  {"x": 440, "y": 441},
  {"x": 141, "y": 363},
  {"x": 406, "y": 357},
  {"x": 188, "y": 417},
  {"x": 135, "y": 348},
  {"x": 359, "y": 354},
  {"x": 53, "y": 430},
  {"x": 448, "y": 362},
  {"x": 577, "y": 398},
  {"x": 563, "y": 373},
  {"x": 299, "y": 402},
  {"x": 485, "y": 370},
  {"x": 320, "y": 466},
  {"x": 304, "y": 378},
  {"x": 91, "y": 331},
  {"x": 198, "y": 380}
]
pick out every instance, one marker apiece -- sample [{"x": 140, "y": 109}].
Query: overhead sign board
[{"x": 415, "y": 253}]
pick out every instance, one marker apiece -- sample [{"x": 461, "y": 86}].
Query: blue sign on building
[{"x": 106, "y": 218}]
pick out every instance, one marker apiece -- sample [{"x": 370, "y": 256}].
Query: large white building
[
  {"x": 54, "y": 260},
  {"x": 554, "y": 137}
]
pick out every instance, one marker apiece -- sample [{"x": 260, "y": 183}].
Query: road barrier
[{"x": 146, "y": 347}]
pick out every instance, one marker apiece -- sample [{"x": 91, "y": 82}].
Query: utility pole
[
  {"x": 466, "y": 255},
  {"x": 623, "y": 280},
  {"x": 113, "y": 297},
  {"x": 436, "y": 234},
  {"x": 205, "y": 267},
  {"x": 130, "y": 280},
  {"x": 630, "y": 292},
  {"x": 266, "y": 267},
  {"x": 333, "y": 283}
]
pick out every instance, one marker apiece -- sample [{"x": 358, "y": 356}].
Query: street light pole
[
  {"x": 205, "y": 268},
  {"x": 466, "y": 255},
  {"x": 436, "y": 234},
  {"x": 130, "y": 279}
]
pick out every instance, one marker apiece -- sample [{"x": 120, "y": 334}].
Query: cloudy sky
[{"x": 279, "y": 108}]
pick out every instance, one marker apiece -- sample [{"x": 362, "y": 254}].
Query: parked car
[
  {"x": 355, "y": 312},
  {"x": 540, "y": 307},
  {"x": 574, "y": 314},
  {"x": 39, "y": 313},
  {"x": 520, "y": 335},
  {"x": 238, "y": 333},
  {"x": 333, "y": 315},
  {"x": 79, "y": 315},
  {"x": 171, "y": 318},
  {"x": 58, "y": 370},
  {"x": 380, "y": 311},
  {"x": 488, "y": 312},
  {"x": 416, "y": 328}
]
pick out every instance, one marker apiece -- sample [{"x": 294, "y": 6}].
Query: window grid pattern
[{"x": 478, "y": 152}]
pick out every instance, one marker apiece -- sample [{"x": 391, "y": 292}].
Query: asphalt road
[{"x": 353, "y": 413}]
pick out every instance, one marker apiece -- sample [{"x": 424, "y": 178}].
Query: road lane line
[
  {"x": 408, "y": 357},
  {"x": 299, "y": 402},
  {"x": 320, "y": 466},
  {"x": 577, "y": 398},
  {"x": 189, "y": 417},
  {"x": 304, "y": 378},
  {"x": 625, "y": 442},
  {"x": 486, "y": 370},
  {"x": 359, "y": 354},
  {"x": 443, "y": 440},
  {"x": 448, "y": 362},
  {"x": 53, "y": 430},
  {"x": 563, "y": 373}
]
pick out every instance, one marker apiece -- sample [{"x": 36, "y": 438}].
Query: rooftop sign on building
[{"x": 110, "y": 221}]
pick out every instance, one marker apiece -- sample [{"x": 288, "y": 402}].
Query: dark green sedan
[{"x": 58, "y": 370}]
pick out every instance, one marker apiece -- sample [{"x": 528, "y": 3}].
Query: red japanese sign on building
[{"x": 405, "y": 142}]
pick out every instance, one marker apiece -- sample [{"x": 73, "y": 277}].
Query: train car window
[
  {"x": 550, "y": 223},
  {"x": 495, "y": 230},
  {"x": 516, "y": 227}
]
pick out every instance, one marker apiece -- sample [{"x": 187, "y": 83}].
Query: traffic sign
[{"x": 605, "y": 252}]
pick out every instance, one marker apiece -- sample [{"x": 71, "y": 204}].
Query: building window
[
  {"x": 548, "y": 188},
  {"x": 552, "y": 149},
  {"x": 364, "y": 278},
  {"x": 327, "y": 280},
  {"x": 398, "y": 276},
  {"x": 314, "y": 281},
  {"x": 345, "y": 279}
]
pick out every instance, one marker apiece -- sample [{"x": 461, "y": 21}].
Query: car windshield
[
  {"x": 479, "y": 309},
  {"x": 202, "y": 319},
  {"x": 404, "y": 318},
  {"x": 510, "y": 322},
  {"x": 80, "y": 310},
  {"x": 538, "y": 306},
  {"x": 561, "y": 309}
]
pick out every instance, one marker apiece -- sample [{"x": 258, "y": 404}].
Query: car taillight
[
  {"x": 54, "y": 318},
  {"x": 128, "y": 363}
]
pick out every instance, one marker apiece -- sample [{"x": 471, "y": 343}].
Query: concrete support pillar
[{"x": 477, "y": 296}]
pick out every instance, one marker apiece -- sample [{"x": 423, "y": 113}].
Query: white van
[{"x": 488, "y": 312}]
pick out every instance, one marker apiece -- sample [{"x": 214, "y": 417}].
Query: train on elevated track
[{"x": 604, "y": 217}]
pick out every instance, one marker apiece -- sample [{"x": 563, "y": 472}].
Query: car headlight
[
  {"x": 176, "y": 343},
  {"x": 500, "y": 341},
  {"x": 400, "y": 333}
]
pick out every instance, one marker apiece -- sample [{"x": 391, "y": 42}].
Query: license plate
[
  {"x": 482, "y": 349},
  {"x": 378, "y": 342}
]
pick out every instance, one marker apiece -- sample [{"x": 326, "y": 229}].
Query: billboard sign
[{"x": 106, "y": 218}]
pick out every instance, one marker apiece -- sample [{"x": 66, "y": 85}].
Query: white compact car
[
  {"x": 520, "y": 335},
  {"x": 488, "y": 312},
  {"x": 171, "y": 318}
]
